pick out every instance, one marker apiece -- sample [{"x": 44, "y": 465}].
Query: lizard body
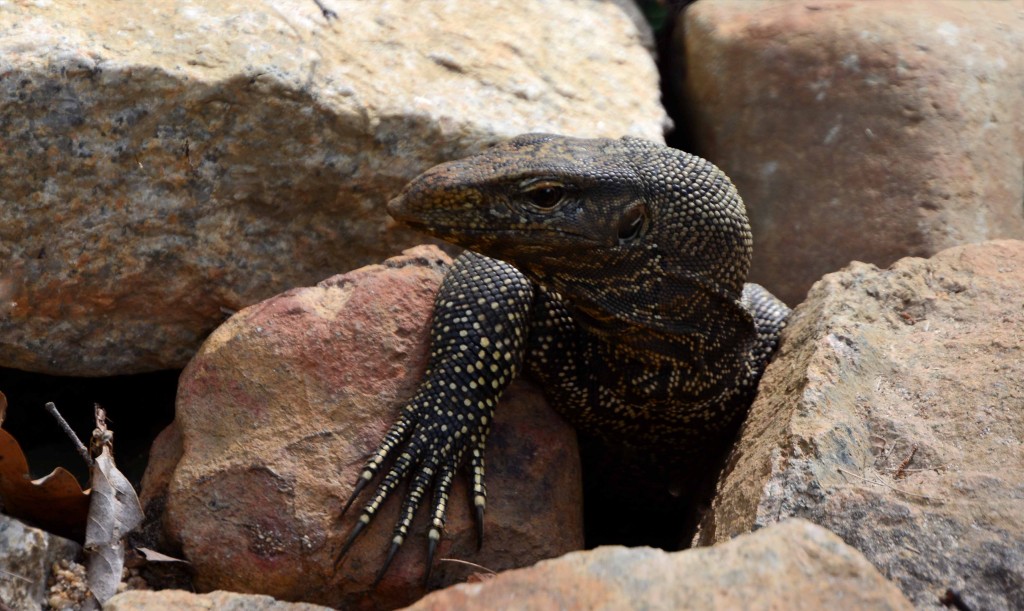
[{"x": 613, "y": 270}]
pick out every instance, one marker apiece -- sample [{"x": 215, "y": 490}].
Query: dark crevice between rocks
[
  {"x": 665, "y": 16},
  {"x": 630, "y": 501},
  {"x": 138, "y": 408}
]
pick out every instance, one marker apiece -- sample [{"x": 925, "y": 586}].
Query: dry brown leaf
[
  {"x": 55, "y": 503},
  {"x": 113, "y": 513}
]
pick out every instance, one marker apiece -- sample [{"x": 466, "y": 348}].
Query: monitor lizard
[{"x": 613, "y": 271}]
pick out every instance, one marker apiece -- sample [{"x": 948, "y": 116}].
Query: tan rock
[
  {"x": 179, "y": 600},
  {"x": 861, "y": 131},
  {"x": 795, "y": 565},
  {"x": 279, "y": 411},
  {"x": 190, "y": 158},
  {"x": 892, "y": 416}
]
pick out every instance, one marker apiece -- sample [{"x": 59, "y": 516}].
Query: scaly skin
[{"x": 614, "y": 271}]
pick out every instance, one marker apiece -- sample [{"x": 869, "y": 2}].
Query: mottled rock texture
[
  {"x": 892, "y": 415},
  {"x": 26, "y": 556},
  {"x": 279, "y": 411},
  {"x": 863, "y": 131},
  {"x": 179, "y": 600},
  {"x": 795, "y": 565},
  {"x": 167, "y": 162}
]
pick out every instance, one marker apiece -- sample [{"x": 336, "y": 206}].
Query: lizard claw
[
  {"x": 431, "y": 550},
  {"x": 358, "y": 528},
  {"x": 479, "y": 527},
  {"x": 360, "y": 485},
  {"x": 387, "y": 561}
]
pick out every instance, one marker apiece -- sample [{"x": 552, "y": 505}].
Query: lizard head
[
  {"x": 613, "y": 225},
  {"x": 533, "y": 193}
]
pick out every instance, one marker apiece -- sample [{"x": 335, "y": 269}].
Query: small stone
[{"x": 178, "y": 600}]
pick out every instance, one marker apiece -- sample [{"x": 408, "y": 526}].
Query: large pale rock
[
  {"x": 164, "y": 163},
  {"x": 27, "y": 556},
  {"x": 795, "y": 565},
  {"x": 892, "y": 416},
  {"x": 279, "y": 411},
  {"x": 142, "y": 600},
  {"x": 861, "y": 131}
]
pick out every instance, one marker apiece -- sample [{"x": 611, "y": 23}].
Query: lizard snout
[{"x": 396, "y": 206}]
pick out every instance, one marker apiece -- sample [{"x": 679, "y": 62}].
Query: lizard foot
[
  {"x": 478, "y": 338},
  {"x": 429, "y": 457}
]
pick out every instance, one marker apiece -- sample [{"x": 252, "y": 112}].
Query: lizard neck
[
  {"x": 712, "y": 344},
  {"x": 653, "y": 309}
]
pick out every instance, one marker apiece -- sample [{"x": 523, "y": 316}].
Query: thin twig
[
  {"x": 881, "y": 483},
  {"x": 467, "y": 563},
  {"x": 82, "y": 450},
  {"x": 16, "y": 576}
]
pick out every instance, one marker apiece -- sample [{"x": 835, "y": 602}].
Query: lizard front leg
[{"x": 478, "y": 338}]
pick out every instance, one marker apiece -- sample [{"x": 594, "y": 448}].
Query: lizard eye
[
  {"x": 631, "y": 225},
  {"x": 545, "y": 195}
]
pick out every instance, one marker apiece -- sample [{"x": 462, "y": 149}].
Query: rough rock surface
[
  {"x": 280, "y": 409},
  {"x": 188, "y": 158},
  {"x": 863, "y": 131},
  {"x": 795, "y": 565},
  {"x": 164, "y": 456},
  {"x": 26, "y": 556},
  {"x": 892, "y": 415},
  {"x": 179, "y": 600}
]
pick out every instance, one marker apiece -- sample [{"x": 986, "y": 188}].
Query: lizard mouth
[
  {"x": 450, "y": 226},
  {"x": 525, "y": 235}
]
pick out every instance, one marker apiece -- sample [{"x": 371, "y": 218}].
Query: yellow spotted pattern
[{"x": 615, "y": 269}]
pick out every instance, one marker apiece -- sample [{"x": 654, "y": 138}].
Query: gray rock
[
  {"x": 892, "y": 415},
  {"x": 863, "y": 131},
  {"x": 27, "y": 557},
  {"x": 186, "y": 159},
  {"x": 794, "y": 565}
]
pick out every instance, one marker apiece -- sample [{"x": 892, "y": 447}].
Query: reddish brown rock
[
  {"x": 892, "y": 415},
  {"x": 279, "y": 411},
  {"x": 190, "y": 158},
  {"x": 164, "y": 455},
  {"x": 795, "y": 565},
  {"x": 860, "y": 131}
]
